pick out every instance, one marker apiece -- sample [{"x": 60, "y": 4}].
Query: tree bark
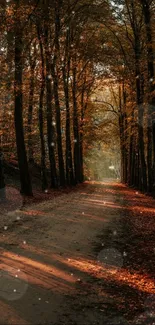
[
  {"x": 30, "y": 107},
  {"x": 26, "y": 187},
  {"x": 140, "y": 107},
  {"x": 151, "y": 97},
  {"x": 77, "y": 159},
  {"x": 131, "y": 149},
  {"x": 58, "y": 126},
  {"x": 2, "y": 179},
  {"x": 66, "y": 73},
  {"x": 125, "y": 133},
  {"x": 49, "y": 111},
  {"x": 41, "y": 118},
  {"x": 57, "y": 8}
]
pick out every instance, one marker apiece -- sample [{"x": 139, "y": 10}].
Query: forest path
[{"x": 84, "y": 258}]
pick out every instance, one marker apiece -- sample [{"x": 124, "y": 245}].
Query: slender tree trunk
[
  {"x": 58, "y": 126},
  {"x": 131, "y": 148},
  {"x": 50, "y": 133},
  {"x": 66, "y": 73},
  {"x": 133, "y": 162},
  {"x": 149, "y": 152},
  {"x": 2, "y": 179},
  {"x": 57, "y": 8},
  {"x": 41, "y": 117},
  {"x": 122, "y": 146},
  {"x": 140, "y": 105},
  {"x": 136, "y": 169},
  {"x": 151, "y": 98},
  {"x": 18, "y": 95},
  {"x": 83, "y": 109},
  {"x": 49, "y": 105},
  {"x": 77, "y": 160},
  {"x": 30, "y": 107},
  {"x": 41, "y": 130},
  {"x": 125, "y": 134},
  {"x": 121, "y": 129},
  {"x": 133, "y": 12},
  {"x": 69, "y": 163}
]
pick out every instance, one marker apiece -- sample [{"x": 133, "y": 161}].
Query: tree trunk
[
  {"x": 140, "y": 106},
  {"x": 151, "y": 98},
  {"x": 41, "y": 118},
  {"x": 122, "y": 140},
  {"x": 83, "y": 109},
  {"x": 58, "y": 126},
  {"x": 57, "y": 8},
  {"x": 131, "y": 149},
  {"x": 133, "y": 162},
  {"x": 149, "y": 152},
  {"x": 125, "y": 134},
  {"x": 69, "y": 163},
  {"x": 30, "y": 107},
  {"x": 2, "y": 180},
  {"x": 49, "y": 105},
  {"x": 18, "y": 95},
  {"x": 77, "y": 159},
  {"x": 66, "y": 72}
]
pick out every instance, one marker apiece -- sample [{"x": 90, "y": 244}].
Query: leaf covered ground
[{"x": 83, "y": 258}]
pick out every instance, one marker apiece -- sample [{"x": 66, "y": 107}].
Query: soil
[{"x": 83, "y": 257}]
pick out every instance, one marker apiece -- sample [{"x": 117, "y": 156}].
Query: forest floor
[{"x": 85, "y": 257}]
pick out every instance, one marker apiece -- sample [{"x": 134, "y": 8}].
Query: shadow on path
[{"x": 67, "y": 281}]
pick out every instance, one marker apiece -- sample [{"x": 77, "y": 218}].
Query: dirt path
[{"x": 84, "y": 258}]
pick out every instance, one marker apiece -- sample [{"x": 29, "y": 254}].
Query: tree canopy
[{"x": 77, "y": 80}]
